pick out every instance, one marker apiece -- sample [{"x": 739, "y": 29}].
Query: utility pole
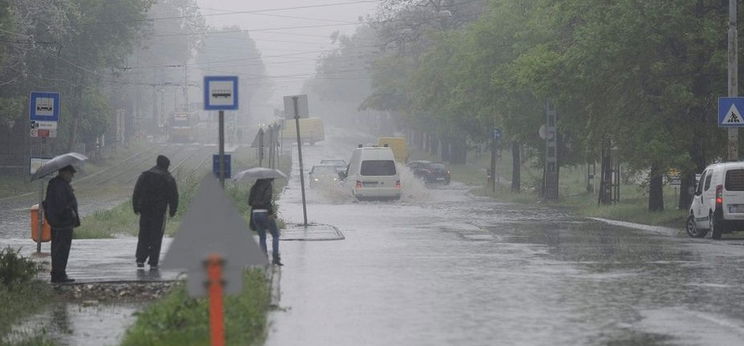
[
  {"x": 550, "y": 183},
  {"x": 733, "y": 83}
]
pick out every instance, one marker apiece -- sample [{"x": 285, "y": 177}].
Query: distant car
[
  {"x": 340, "y": 164},
  {"x": 430, "y": 172},
  {"x": 419, "y": 168},
  {"x": 321, "y": 174},
  {"x": 438, "y": 173}
]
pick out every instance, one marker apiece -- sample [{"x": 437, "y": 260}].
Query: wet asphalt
[{"x": 444, "y": 267}]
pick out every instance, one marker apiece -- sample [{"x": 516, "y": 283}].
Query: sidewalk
[{"x": 97, "y": 260}]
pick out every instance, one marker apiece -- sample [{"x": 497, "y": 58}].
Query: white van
[
  {"x": 718, "y": 204},
  {"x": 372, "y": 173}
]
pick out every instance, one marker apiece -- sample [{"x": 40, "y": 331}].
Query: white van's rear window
[
  {"x": 378, "y": 167},
  {"x": 735, "y": 180}
]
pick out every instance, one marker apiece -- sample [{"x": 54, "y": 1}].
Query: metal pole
[
  {"x": 733, "y": 83},
  {"x": 299, "y": 153},
  {"x": 492, "y": 178},
  {"x": 40, "y": 211},
  {"x": 40, "y": 215},
  {"x": 222, "y": 147}
]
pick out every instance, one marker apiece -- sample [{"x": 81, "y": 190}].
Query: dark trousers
[
  {"x": 264, "y": 223},
  {"x": 61, "y": 242},
  {"x": 152, "y": 227}
]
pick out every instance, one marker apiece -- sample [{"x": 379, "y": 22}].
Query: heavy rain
[{"x": 370, "y": 172}]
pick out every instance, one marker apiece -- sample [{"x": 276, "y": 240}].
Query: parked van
[
  {"x": 311, "y": 130},
  {"x": 718, "y": 204},
  {"x": 398, "y": 145},
  {"x": 372, "y": 173}
]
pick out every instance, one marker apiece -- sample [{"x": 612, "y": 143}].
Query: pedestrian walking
[
  {"x": 263, "y": 216},
  {"x": 154, "y": 194},
  {"x": 61, "y": 210}
]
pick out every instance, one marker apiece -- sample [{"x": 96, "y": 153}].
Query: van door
[
  {"x": 708, "y": 197},
  {"x": 697, "y": 202}
]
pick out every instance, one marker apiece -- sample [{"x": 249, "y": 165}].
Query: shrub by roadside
[
  {"x": 21, "y": 294},
  {"x": 178, "y": 319}
]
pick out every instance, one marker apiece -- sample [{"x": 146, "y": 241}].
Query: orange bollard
[{"x": 216, "y": 319}]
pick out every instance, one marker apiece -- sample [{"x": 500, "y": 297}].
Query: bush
[{"x": 16, "y": 269}]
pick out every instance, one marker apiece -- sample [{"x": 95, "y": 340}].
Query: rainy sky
[{"x": 289, "y": 53}]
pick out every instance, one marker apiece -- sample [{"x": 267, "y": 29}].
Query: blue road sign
[
  {"x": 216, "y": 166},
  {"x": 43, "y": 106},
  {"x": 220, "y": 92},
  {"x": 729, "y": 111},
  {"x": 497, "y": 134}
]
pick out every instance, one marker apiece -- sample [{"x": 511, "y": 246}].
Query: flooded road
[{"x": 442, "y": 267}]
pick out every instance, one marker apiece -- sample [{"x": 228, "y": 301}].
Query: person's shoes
[
  {"x": 63, "y": 280},
  {"x": 140, "y": 264},
  {"x": 276, "y": 261},
  {"x": 153, "y": 267}
]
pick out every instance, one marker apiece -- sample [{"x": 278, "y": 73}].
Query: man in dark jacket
[
  {"x": 61, "y": 209},
  {"x": 263, "y": 217},
  {"x": 154, "y": 193}
]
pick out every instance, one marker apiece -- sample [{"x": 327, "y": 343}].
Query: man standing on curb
[
  {"x": 61, "y": 210},
  {"x": 154, "y": 194}
]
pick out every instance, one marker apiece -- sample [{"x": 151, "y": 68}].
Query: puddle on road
[{"x": 78, "y": 324}]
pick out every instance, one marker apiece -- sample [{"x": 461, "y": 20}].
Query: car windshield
[
  {"x": 378, "y": 167},
  {"x": 438, "y": 166},
  {"x": 323, "y": 170}
]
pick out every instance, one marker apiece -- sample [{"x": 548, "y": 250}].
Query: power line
[{"x": 239, "y": 12}]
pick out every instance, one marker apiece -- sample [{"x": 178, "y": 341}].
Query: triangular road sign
[
  {"x": 733, "y": 117},
  {"x": 213, "y": 226}
]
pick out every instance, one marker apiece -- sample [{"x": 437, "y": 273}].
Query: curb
[{"x": 668, "y": 231}]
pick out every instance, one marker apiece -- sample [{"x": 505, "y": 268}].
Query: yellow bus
[
  {"x": 398, "y": 145},
  {"x": 311, "y": 130}
]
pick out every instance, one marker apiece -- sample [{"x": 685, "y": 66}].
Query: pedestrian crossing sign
[{"x": 730, "y": 111}]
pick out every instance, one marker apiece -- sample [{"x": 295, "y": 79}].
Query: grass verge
[
  {"x": 21, "y": 295},
  {"x": 178, "y": 319}
]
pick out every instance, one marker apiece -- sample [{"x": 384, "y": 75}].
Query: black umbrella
[{"x": 60, "y": 161}]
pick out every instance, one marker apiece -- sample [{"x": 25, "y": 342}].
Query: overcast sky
[{"x": 289, "y": 53}]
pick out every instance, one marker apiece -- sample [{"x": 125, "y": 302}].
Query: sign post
[
  {"x": 299, "y": 109},
  {"x": 495, "y": 141},
  {"x": 221, "y": 93},
  {"x": 43, "y": 112}
]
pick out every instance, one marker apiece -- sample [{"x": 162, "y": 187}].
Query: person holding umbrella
[
  {"x": 263, "y": 216},
  {"x": 154, "y": 193},
  {"x": 61, "y": 210}
]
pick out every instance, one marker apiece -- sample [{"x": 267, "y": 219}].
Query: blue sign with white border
[
  {"x": 497, "y": 134},
  {"x": 216, "y": 166},
  {"x": 43, "y": 106},
  {"x": 220, "y": 93},
  {"x": 730, "y": 111}
]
